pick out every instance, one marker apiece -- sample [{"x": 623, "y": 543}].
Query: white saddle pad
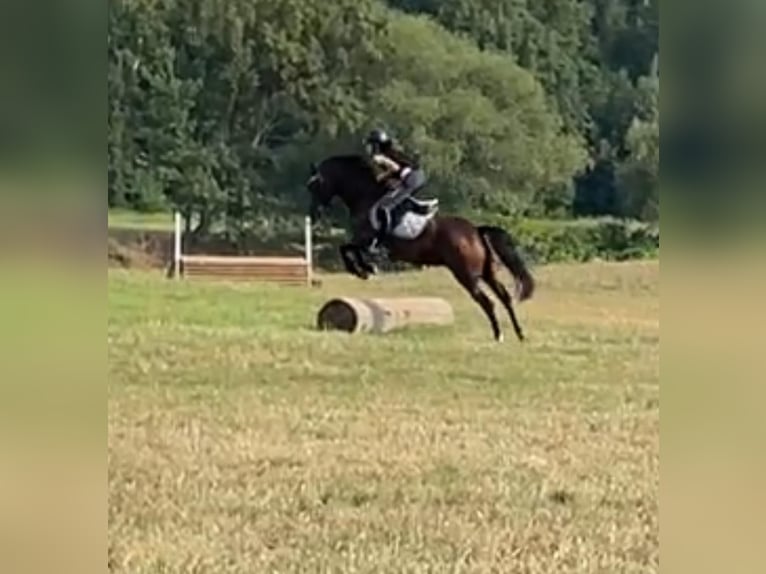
[{"x": 411, "y": 225}]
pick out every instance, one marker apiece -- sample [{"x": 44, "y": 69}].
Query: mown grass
[
  {"x": 129, "y": 219},
  {"x": 242, "y": 440}
]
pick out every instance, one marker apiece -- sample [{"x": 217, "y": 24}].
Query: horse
[{"x": 429, "y": 239}]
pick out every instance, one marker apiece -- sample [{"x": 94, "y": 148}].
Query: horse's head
[
  {"x": 321, "y": 189},
  {"x": 348, "y": 177}
]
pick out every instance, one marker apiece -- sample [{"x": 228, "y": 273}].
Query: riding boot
[
  {"x": 377, "y": 240},
  {"x": 386, "y": 222}
]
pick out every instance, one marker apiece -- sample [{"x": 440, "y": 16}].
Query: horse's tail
[{"x": 505, "y": 246}]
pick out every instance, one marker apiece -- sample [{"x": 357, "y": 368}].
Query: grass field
[
  {"x": 241, "y": 440},
  {"x": 128, "y": 219}
]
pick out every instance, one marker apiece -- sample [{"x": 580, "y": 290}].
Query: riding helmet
[{"x": 378, "y": 137}]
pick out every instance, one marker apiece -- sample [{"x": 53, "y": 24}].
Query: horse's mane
[
  {"x": 357, "y": 177},
  {"x": 356, "y": 162}
]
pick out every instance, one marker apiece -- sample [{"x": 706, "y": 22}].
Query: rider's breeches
[{"x": 414, "y": 180}]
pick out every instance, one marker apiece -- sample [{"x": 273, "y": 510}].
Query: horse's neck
[
  {"x": 361, "y": 199},
  {"x": 358, "y": 188}
]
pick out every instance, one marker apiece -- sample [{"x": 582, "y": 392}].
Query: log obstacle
[
  {"x": 355, "y": 315},
  {"x": 282, "y": 270}
]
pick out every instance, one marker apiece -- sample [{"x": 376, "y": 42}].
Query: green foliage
[
  {"x": 481, "y": 123},
  {"x": 541, "y": 241},
  {"x": 593, "y": 58},
  {"x": 537, "y": 109},
  {"x": 605, "y": 238},
  {"x": 549, "y": 241},
  {"x": 639, "y": 176},
  {"x": 205, "y": 94}
]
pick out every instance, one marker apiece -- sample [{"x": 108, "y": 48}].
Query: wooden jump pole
[
  {"x": 244, "y": 267},
  {"x": 309, "y": 251},
  {"x": 177, "y": 247}
]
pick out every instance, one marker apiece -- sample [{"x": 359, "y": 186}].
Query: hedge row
[
  {"x": 541, "y": 241},
  {"x": 550, "y": 241}
]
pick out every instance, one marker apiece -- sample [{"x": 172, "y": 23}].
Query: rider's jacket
[{"x": 393, "y": 162}]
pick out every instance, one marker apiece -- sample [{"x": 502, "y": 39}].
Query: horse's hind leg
[
  {"x": 470, "y": 283},
  {"x": 490, "y": 278}
]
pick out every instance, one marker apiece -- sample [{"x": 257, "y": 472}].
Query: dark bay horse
[{"x": 452, "y": 242}]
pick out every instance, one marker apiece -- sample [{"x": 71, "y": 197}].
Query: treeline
[{"x": 544, "y": 108}]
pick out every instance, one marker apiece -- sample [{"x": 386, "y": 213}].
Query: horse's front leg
[
  {"x": 353, "y": 253},
  {"x": 354, "y": 263}
]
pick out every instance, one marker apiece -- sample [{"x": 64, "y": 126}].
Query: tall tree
[
  {"x": 588, "y": 55},
  {"x": 482, "y": 123}
]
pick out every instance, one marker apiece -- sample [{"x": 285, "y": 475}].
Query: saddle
[
  {"x": 410, "y": 203},
  {"x": 420, "y": 206},
  {"x": 408, "y": 219}
]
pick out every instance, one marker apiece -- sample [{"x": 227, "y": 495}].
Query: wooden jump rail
[
  {"x": 383, "y": 315},
  {"x": 285, "y": 270},
  {"x": 282, "y": 270}
]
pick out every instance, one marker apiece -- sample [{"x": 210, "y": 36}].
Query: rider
[{"x": 406, "y": 173}]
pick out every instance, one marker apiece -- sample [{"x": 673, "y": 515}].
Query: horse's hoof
[{"x": 500, "y": 338}]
